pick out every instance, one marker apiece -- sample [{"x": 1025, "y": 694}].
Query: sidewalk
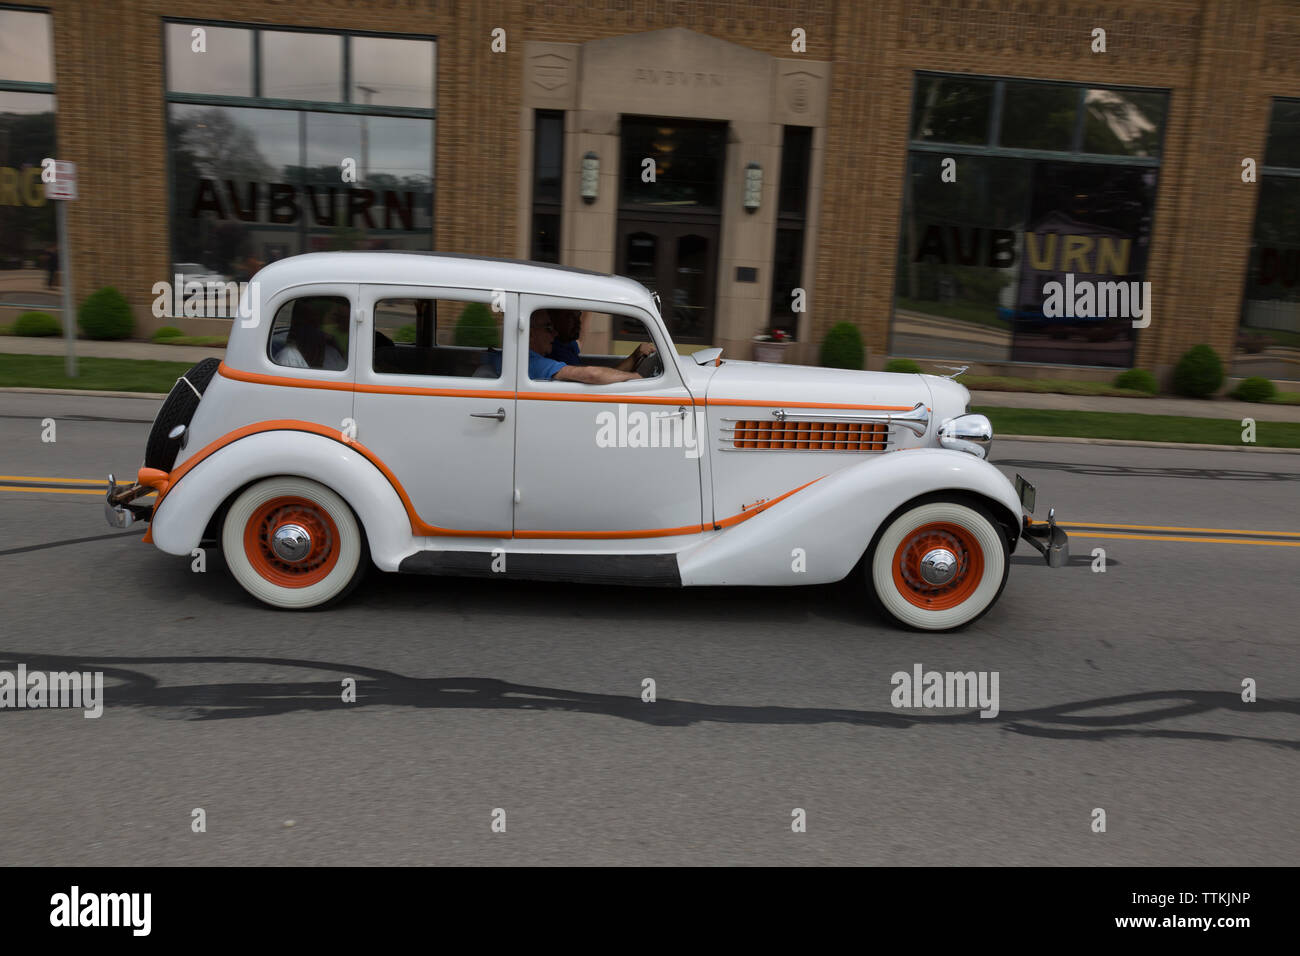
[
  {"x": 1190, "y": 407},
  {"x": 86, "y": 348}
]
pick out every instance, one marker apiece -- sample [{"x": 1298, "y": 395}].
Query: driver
[
  {"x": 566, "y": 349},
  {"x": 541, "y": 336}
]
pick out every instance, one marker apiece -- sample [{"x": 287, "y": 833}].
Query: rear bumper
[{"x": 120, "y": 507}]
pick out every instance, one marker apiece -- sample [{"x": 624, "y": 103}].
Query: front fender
[
  {"x": 185, "y": 510},
  {"x": 825, "y": 528}
]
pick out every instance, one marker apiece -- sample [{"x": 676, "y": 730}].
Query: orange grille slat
[{"x": 817, "y": 436}]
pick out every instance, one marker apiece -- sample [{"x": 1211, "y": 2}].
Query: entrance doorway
[
  {"x": 676, "y": 260},
  {"x": 669, "y": 222}
]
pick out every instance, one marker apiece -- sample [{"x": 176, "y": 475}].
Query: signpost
[{"x": 60, "y": 179}]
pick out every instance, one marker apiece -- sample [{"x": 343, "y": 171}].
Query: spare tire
[{"x": 182, "y": 401}]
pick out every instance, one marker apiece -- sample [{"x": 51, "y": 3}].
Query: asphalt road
[{"x": 1118, "y": 690}]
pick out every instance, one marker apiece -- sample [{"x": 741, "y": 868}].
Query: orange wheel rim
[
  {"x": 318, "y": 561},
  {"x": 966, "y": 577}
]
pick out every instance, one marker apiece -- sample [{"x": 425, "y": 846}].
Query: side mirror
[{"x": 706, "y": 356}]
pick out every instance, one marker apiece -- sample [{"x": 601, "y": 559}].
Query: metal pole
[{"x": 65, "y": 267}]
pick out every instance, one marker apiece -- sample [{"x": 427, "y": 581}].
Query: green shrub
[
  {"x": 406, "y": 334},
  {"x": 36, "y": 323},
  {"x": 842, "y": 347},
  {"x": 1198, "y": 373},
  {"x": 106, "y": 315},
  {"x": 167, "y": 332},
  {"x": 476, "y": 327},
  {"x": 1255, "y": 389},
  {"x": 1138, "y": 379},
  {"x": 902, "y": 365}
]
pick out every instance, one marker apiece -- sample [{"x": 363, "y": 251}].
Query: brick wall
[{"x": 1222, "y": 60}]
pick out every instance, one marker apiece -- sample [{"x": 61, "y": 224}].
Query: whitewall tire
[
  {"x": 292, "y": 543},
  {"x": 938, "y": 565}
]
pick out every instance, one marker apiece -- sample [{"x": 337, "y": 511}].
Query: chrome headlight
[{"x": 972, "y": 434}]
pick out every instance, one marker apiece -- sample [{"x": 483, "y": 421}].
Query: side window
[
  {"x": 311, "y": 332},
  {"x": 590, "y": 338},
  {"x": 437, "y": 337}
]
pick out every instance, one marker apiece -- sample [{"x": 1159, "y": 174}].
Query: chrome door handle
[{"x": 499, "y": 414}]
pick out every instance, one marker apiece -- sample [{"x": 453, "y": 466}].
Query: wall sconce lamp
[
  {"x": 753, "y": 186},
  {"x": 589, "y": 188}
]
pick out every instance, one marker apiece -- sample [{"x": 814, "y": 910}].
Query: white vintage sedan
[{"x": 437, "y": 414}]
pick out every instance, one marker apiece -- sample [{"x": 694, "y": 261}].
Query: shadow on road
[
  {"x": 126, "y": 687},
  {"x": 1145, "y": 471}
]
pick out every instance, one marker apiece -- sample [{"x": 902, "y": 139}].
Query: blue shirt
[
  {"x": 540, "y": 368},
  {"x": 566, "y": 352}
]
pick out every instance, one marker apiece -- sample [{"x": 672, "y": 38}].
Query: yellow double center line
[
  {"x": 93, "y": 486},
  {"x": 1076, "y": 529},
  {"x": 1091, "y": 529}
]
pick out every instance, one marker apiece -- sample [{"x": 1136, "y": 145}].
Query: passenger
[
  {"x": 308, "y": 345},
  {"x": 567, "y": 348}
]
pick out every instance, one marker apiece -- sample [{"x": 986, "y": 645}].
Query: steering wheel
[{"x": 650, "y": 366}]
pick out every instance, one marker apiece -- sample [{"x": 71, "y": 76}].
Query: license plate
[{"x": 1026, "y": 493}]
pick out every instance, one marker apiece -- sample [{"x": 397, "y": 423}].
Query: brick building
[{"x": 760, "y": 164}]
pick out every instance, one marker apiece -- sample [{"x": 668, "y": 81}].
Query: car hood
[{"x": 774, "y": 384}]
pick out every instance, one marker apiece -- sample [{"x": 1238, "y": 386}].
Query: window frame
[
  {"x": 257, "y": 101},
  {"x": 546, "y": 207},
  {"x": 991, "y": 150},
  {"x": 992, "y": 146},
  {"x": 33, "y": 86}
]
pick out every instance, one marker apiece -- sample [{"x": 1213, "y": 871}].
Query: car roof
[{"x": 456, "y": 271}]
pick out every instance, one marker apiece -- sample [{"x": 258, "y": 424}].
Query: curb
[
  {"x": 88, "y": 392},
  {"x": 1134, "y": 443}
]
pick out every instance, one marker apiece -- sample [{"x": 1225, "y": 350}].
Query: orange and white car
[{"x": 398, "y": 409}]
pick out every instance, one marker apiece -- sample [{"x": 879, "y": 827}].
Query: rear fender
[
  {"x": 183, "y": 513},
  {"x": 818, "y": 535}
]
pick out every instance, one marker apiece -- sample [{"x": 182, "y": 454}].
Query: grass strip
[{"x": 1134, "y": 427}]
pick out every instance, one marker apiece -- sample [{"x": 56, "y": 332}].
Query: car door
[
  {"x": 604, "y": 461},
  {"x": 436, "y": 407}
]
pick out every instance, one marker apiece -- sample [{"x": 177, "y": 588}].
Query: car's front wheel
[
  {"x": 293, "y": 543},
  {"x": 938, "y": 565}
]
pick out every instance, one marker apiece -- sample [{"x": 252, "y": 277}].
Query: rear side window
[
  {"x": 437, "y": 337},
  {"x": 311, "y": 332}
]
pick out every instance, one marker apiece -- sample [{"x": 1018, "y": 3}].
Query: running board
[{"x": 641, "y": 570}]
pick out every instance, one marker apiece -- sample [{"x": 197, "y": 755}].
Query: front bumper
[
  {"x": 1046, "y": 538},
  {"x": 119, "y": 508}
]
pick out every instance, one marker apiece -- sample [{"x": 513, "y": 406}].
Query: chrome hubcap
[
  {"x": 938, "y": 566},
  {"x": 291, "y": 542}
]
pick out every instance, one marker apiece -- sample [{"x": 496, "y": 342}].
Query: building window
[
  {"x": 284, "y": 141},
  {"x": 1046, "y": 181},
  {"x": 791, "y": 222},
  {"x": 686, "y": 158},
  {"x": 548, "y": 183},
  {"x": 29, "y": 273},
  {"x": 1268, "y": 337}
]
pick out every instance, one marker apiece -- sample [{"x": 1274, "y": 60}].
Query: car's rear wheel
[
  {"x": 293, "y": 543},
  {"x": 938, "y": 565}
]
